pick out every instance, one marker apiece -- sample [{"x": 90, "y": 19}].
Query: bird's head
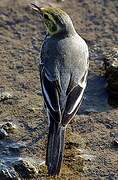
[{"x": 55, "y": 20}]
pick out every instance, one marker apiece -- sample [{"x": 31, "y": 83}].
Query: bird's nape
[{"x": 55, "y": 19}]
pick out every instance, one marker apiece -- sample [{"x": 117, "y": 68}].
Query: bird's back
[{"x": 64, "y": 57}]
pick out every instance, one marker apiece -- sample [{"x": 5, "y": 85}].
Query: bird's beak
[{"x": 37, "y": 8}]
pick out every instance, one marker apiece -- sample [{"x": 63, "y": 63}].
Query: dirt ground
[{"x": 92, "y": 132}]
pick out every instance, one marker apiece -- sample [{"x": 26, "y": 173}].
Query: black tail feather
[{"x": 55, "y": 148}]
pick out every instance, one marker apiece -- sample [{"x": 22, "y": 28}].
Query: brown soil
[{"x": 21, "y": 36}]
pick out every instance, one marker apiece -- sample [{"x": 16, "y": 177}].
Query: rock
[
  {"x": 86, "y": 157},
  {"x": 9, "y": 127},
  {"x": 115, "y": 141},
  {"x": 6, "y": 173},
  {"x": 33, "y": 109},
  {"x": 5, "y": 96},
  {"x": 3, "y": 133},
  {"x": 20, "y": 68},
  {"x": 60, "y": 0},
  {"x": 111, "y": 67},
  {"x": 109, "y": 126},
  {"x": 25, "y": 168},
  {"x": 80, "y": 153},
  {"x": 16, "y": 147}
]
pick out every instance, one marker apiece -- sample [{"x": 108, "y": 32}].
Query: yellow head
[{"x": 56, "y": 20}]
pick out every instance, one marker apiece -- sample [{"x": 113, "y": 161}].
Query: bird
[{"x": 63, "y": 74}]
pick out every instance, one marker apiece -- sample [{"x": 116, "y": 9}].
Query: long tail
[{"x": 55, "y": 148}]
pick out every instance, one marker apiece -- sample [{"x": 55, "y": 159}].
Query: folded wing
[
  {"x": 74, "y": 98},
  {"x": 51, "y": 93}
]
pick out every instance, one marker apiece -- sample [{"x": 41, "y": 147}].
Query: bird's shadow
[{"x": 96, "y": 96}]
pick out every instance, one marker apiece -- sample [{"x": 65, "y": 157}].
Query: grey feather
[{"x": 64, "y": 69}]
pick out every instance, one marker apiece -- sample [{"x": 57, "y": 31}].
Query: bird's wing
[
  {"x": 51, "y": 92},
  {"x": 74, "y": 98}
]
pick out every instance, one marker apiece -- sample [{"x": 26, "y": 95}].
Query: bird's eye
[{"x": 46, "y": 16}]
